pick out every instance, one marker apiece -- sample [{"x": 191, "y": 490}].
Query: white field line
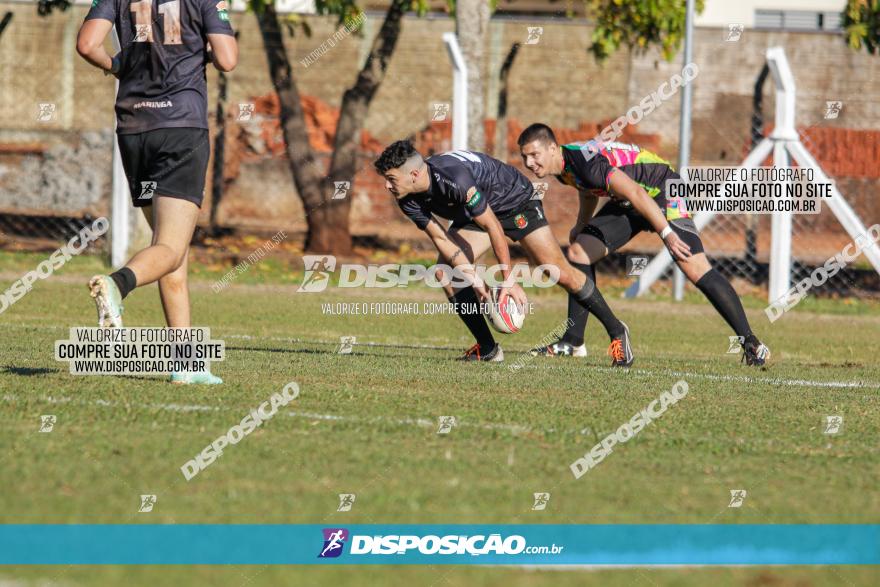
[
  {"x": 743, "y": 379},
  {"x": 332, "y": 343},
  {"x": 756, "y": 380},
  {"x": 420, "y": 422},
  {"x": 646, "y": 372}
]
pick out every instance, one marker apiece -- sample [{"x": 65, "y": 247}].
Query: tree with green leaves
[
  {"x": 637, "y": 25},
  {"x": 861, "y": 24}
]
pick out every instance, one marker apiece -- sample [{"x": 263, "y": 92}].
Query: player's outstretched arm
[
  {"x": 622, "y": 186},
  {"x": 452, "y": 254},
  {"x": 90, "y": 45}
]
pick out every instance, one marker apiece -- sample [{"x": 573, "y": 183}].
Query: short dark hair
[
  {"x": 394, "y": 155},
  {"x": 536, "y": 132}
]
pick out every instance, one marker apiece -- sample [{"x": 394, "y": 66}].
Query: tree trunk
[
  {"x": 472, "y": 24},
  {"x": 219, "y": 153},
  {"x": 356, "y": 104},
  {"x": 327, "y": 223}
]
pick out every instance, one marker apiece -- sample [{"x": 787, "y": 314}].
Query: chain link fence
[
  {"x": 734, "y": 108},
  {"x": 55, "y": 142}
]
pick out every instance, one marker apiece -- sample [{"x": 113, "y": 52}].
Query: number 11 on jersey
[{"x": 143, "y": 25}]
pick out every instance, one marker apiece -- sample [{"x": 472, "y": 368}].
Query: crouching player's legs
[
  {"x": 582, "y": 254},
  {"x": 543, "y": 249},
  {"x": 473, "y": 244},
  {"x": 718, "y": 291}
]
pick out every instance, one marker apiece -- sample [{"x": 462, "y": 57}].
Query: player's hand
[
  {"x": 677, "y": 247},
  {"x": 482, "y": 292},
  {"x": 115, "y": 66},
  {"x": 503, "y": 293},
  {"x": 518, "y": 295},
  {"x": 575, "y": 231}
]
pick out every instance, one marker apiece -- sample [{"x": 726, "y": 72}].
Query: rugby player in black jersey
[
  {"x": 162, "y": 129},
  {"x": 635, "y": 180},
  {"x": 486, "y": 199}
]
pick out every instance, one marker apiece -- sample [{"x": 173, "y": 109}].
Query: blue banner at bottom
[{"x": 625, "y": 544}]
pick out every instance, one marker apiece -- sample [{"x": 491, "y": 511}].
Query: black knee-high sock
[
  {"x": 592, "y": 300},
  {"x": 577, "y": 313},
  {"x": 468, "y": 308},
  {"x": 722, "y": 295},
  {"x": 124, "y": 280}
]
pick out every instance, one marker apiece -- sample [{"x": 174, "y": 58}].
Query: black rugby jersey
[
  {"x": 162, "y": 80},
  {"x": 500, "y": 186}
]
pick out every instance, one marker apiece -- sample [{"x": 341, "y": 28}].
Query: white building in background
[
  {"x": 804, "y": 15},
  {"x": 282, "y": 6}
]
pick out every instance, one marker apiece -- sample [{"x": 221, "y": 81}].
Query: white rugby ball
[{"x": 505, "y": 319}]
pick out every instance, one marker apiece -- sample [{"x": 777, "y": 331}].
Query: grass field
[{"x": 366, "y": 424}]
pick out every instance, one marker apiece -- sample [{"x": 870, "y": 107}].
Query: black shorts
[
  {"x": 166, "y": 162},
  {"x": 526, "y": 219},
  {"x": 615, "y": 226}
]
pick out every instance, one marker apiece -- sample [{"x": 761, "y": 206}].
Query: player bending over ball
[
  {"x": 162, "y": 127},
  {"x": 486, "y": 199},
  {"x": 635, "y": 181}
]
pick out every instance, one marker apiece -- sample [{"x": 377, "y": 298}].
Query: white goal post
[
  {"x": 785, "y": 144},
  {"x": 120, "y": 201},
  {"x": 459, "y": 92}
]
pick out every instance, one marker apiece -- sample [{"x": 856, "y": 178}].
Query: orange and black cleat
[
  {"x": 475, "y": 353},
  {"x": 620, "y": 350}
]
